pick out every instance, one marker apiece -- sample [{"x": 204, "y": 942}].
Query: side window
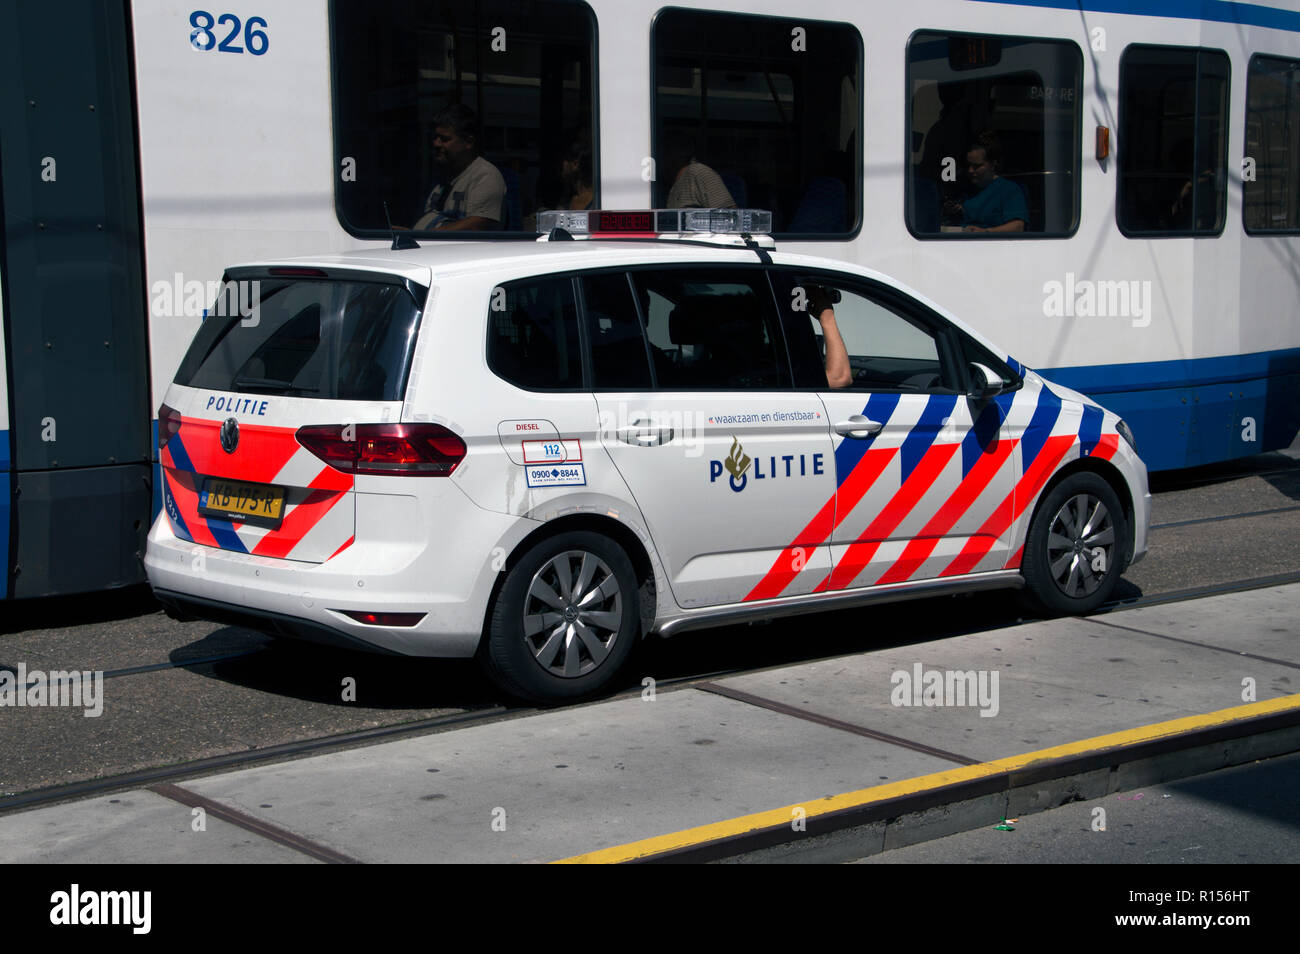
[
  {"x": 619, "y": 358},
  {"x": 533, "y": 335},
  {"x": 768, "y": 109},
  {"x": 478, "y": 112},
  {"x": 994, "y": 134},
  {"x": 712, "y": 328},
  {"x": 833, "y": 323},
  {"x": 1173, "y": 140},
  {"x": 1271, "y": 202}
]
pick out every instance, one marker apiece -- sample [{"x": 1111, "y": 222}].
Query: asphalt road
[{"x": 1213, "y": 526}]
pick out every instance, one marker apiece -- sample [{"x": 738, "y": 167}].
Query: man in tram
[{"x": 473, "y": 195}]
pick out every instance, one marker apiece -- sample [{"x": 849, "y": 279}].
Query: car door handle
[
  {"x": 644, "y": 435},
  {"x": 858, "y": 426}
]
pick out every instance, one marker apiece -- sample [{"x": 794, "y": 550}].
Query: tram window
[
  {"x": 524, "y": 70},
  {"x": 1271, "y": 201},
  {"x": 772, "y": 106},
  {"x": 993, "y": 126},
  {"x": 1173, "y": 141}
]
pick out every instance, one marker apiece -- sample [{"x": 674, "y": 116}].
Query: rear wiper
[{"x": 243, "y": 383}]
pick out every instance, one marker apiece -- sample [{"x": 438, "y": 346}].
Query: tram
[{"x": 146, "y": 145}]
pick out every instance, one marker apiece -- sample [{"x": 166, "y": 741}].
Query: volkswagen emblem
[{"x": 229, "y": 435}]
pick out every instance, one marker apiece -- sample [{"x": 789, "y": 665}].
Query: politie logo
[
  {"x": 737, "y": 463},
  {"x": 787, "y": 465}
]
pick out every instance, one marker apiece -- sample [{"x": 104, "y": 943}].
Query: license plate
[{"x": 258, "y": 504}]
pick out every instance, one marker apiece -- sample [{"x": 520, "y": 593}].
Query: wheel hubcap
[
  {"x": 1081, "y": 545},
  {"x": 573, "y": 612}
]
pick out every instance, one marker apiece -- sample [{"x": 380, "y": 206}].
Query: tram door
[{"x": 79, "y": 436}]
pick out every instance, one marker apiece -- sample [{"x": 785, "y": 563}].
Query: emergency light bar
[{"x": 652, "y": 223}]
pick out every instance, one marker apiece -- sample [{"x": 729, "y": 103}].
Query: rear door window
[{"x": 333, "y": 340}]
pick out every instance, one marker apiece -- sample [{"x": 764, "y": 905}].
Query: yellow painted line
[{"x": 877, "y": 793}]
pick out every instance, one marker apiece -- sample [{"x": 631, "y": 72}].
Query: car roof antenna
[{"x": 399, "y": 241}]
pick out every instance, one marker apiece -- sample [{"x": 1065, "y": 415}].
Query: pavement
[{"x": 831, "y": 760}]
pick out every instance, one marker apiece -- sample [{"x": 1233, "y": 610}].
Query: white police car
[{"x": 538, "y": 453}]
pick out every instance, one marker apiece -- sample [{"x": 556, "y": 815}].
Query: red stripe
[
  {"x": 860, "y": 479},
  {"x": 974, "y": 484},
  {"x": 858, "y": 555},
  {"x": 1014, "y": 562},
  {"x": 346, "y": 543},
  {"x": 1013, "y": 506},
  {"x": 182, "y": 485},
  {"x": 261, "y": 454},
  {"x": 303, "y": 517},
  {"x": 783, "y": 571},
  {"x": 1106, "y": 447}
]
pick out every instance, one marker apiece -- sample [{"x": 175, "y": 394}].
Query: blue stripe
[
  {"x": 224, "y": 533},
  {"x": 880, "y": 407},
  {"x": 1217, "y": 11},
  {"x": 983, "y": 432},
  {"x": 937, "y": 411},
  {"x": 1194, "y": 373},
  {"x": 1090, "y": 429},
  {"x": 1040, "y": 427},
  {"x": 174, "y": 511},
  {"x": 180, "y": 456}
]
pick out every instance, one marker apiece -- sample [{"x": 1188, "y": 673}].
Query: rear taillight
[
  {"x": 169, "y": 422},
  {"x": 416, "y": 450}
]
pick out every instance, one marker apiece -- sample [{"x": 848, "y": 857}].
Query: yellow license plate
[{"x": 251, "y": 503}]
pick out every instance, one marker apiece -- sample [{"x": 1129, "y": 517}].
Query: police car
[{"x": 644, "y": 423}]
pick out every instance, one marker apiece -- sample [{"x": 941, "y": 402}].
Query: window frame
[
  {"x": 1026, "y": 235},
  {"x": 857, "y": 199},
  {"x": 946, "y": 335},
  {"x": 385, "y": 234},
  {"x": 1250, "y": 230},
  {"x": 1120, "y": 115}
]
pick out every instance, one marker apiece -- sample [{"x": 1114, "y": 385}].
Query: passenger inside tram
[{"x": 473, "y": 192}]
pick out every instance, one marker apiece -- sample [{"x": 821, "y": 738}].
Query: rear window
[{"x": 335, "y": 340}]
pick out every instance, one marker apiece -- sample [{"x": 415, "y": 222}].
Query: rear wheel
[
  {"x": 1075, "y": 548},
  {"x": 565, "y": 620}
]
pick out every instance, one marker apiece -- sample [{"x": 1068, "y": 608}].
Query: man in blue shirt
[{"x": 995, "y": 204}]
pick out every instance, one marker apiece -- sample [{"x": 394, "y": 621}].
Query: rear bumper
[
  {"x": 397, "y": 565},
  {"x": 183, "y": 607}
]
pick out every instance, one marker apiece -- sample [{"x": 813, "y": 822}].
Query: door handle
[
  {"x": 644, "y": 435},
  {"x": 858, "y": 426}
]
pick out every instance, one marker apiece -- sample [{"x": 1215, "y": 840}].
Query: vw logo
[{"x": 229, "y": 435}]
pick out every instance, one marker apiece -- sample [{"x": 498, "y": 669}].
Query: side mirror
[{"x": 986, "y": 383}]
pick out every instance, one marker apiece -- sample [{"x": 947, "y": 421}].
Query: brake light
[
  {"x": 416, "y": 450},
  {"x": 169, "y": 423}
]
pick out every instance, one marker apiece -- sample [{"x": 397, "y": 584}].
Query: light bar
[{"x": 649, "y": 223}]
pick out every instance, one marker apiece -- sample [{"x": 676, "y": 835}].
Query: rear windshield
[{"x": 336, "y": 340}]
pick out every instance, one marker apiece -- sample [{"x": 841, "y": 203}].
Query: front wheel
[
  {"x": 565, "y": 620},
  {"x": 1075, "y": 548}
]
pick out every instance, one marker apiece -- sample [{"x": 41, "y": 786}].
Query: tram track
[{"x": 286, "y": 751}]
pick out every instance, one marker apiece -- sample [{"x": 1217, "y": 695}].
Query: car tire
[
  {"x": 546, "y": 643},
  {"x": 1076, "y": 547}
]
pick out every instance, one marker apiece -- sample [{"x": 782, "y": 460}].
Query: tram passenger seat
[
  {"x": 822, "y": 207},
  {"x": 512, "y": 211},
  {"x": 736, "y": 186}
]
